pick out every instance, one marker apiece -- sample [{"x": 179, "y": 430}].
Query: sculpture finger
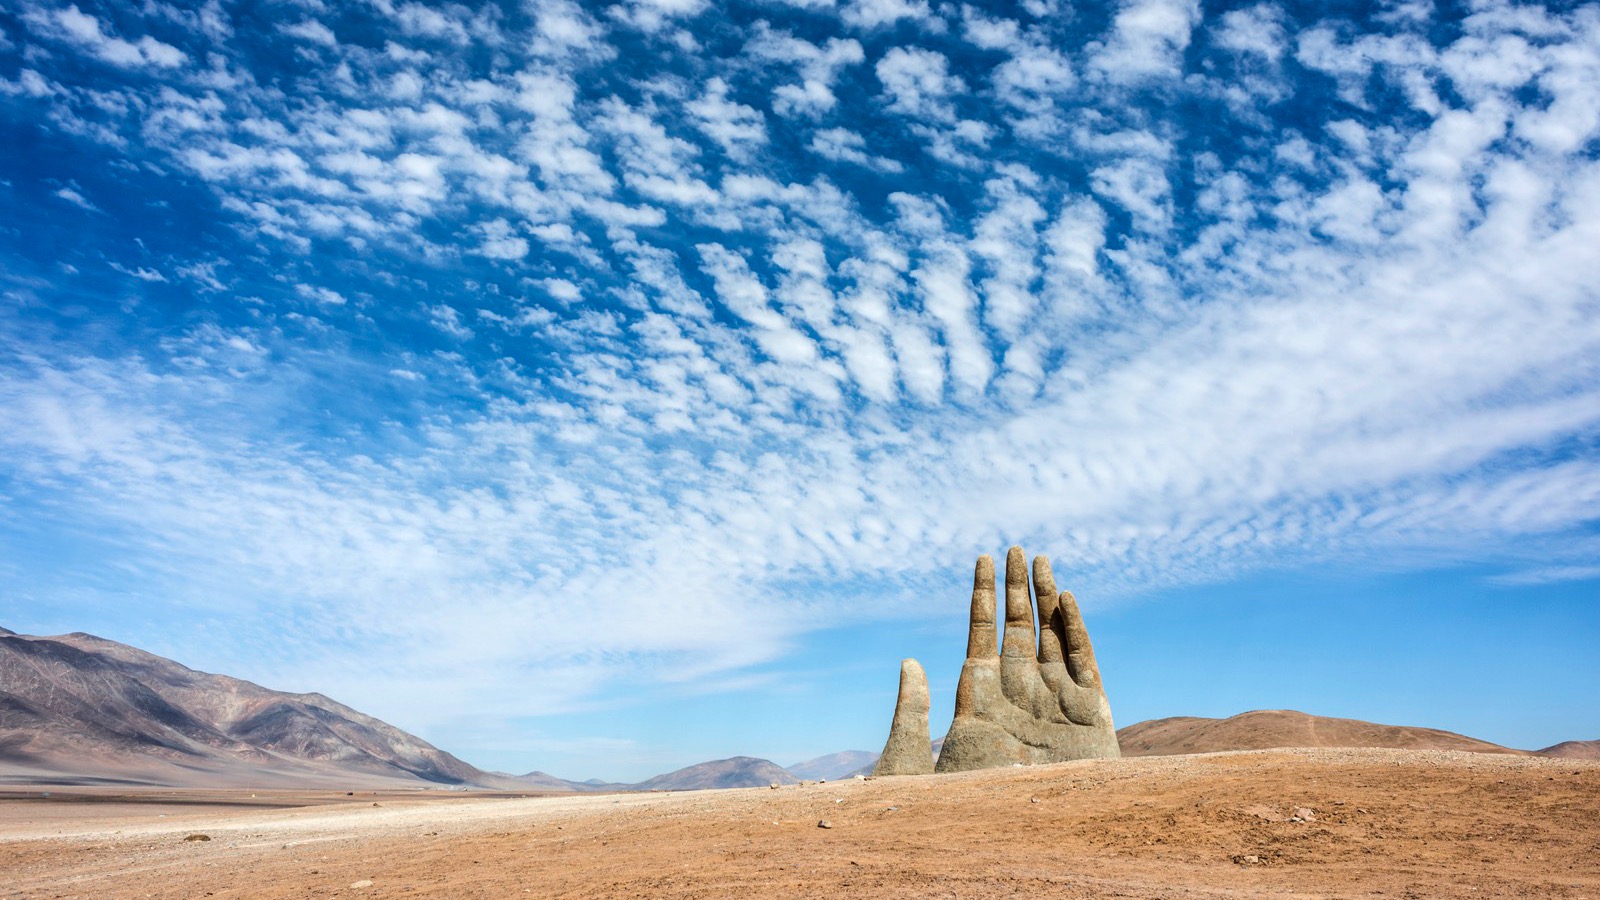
[
  {"x": 907, "y": 751},
  {"x": 1044, "y": 593},
  {"x": 1080, "y": 653},
  {"x": 1019, "y": 641},
  {"x": 981, "y": 637}
]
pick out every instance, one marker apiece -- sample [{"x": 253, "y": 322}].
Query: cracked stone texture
[{"x": 908, "y": 751}]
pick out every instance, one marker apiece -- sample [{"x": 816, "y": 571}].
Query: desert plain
[{"x": 1267, "y": 823}]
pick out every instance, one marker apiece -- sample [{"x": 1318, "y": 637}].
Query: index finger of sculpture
[
  {"x": 1080, "y": 653},
  {"x": 980, "y": 636},
  {"x": 1019, "y": 642},
  {"x": 1044, "y": 592}
]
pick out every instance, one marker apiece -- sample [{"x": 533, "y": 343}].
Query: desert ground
[{"x": 1272, "y": 823}]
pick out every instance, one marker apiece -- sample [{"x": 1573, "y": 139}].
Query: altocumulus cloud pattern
[{"x": 412, "y": 334}]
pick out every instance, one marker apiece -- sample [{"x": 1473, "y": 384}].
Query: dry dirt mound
[
  {"x": 1266, "y": 729},
  {"x": 1281, "y": 824},
  {"x": 1573, "y": 750}
]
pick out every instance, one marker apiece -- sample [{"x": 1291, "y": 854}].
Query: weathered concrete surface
[
  {"x": 1040, "y": 700},
  {"x": 908, "y": 751}
]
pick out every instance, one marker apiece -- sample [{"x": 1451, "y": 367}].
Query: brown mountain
[
  {"x": 1573, "y": 750},
  {"x": 82, "y": 709},
  {"x": 1266, "y": 729},
  {"x": 739, "y": 771}
]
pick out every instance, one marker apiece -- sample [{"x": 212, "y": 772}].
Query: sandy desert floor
[{"x": 1383, "y": 823}]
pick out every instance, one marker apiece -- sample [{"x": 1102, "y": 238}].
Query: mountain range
[{"x": 79, "y": 709}]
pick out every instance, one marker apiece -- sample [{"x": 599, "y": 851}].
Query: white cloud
[
  {"x": 653, "y": 15},
  {"x": 448, "y": 320},
  {"x": 143, "y": 273},
  {"x": 425, "y": 21},
  {"x": 737, "y": 128},
  {"x": 948, "y": 297},
  {"x": 819, "y": 67},
  {"x": 1253, "y": 30},
  {"x": 844, "y": 145},
  {"x": 322, "y": 295},
  {"x": 918, "y": 83},
  {"x": 311, "y": 31},
  {"x": 1140, "y": 187},
  {"x": 747, "y": 298},
  {"x": 88, "y": 33},
  {"x": 77, "y": 199},
  {"x": 500, "y": 241},
  {"x": 1147, "y": 40},
  {"x": 562, "y": 27},
  {"x": 1007, "y": 238},
  {"x": 562, "y": 289},
  {"x": 880, "y": 13}
]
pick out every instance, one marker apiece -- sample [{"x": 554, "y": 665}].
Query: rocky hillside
[{"x": 84, "y": 709}]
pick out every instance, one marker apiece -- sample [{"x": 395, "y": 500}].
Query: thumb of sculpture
[{"x": 909, "y": 751}]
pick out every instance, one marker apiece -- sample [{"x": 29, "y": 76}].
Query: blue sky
[{"x": 600, "y": 388}]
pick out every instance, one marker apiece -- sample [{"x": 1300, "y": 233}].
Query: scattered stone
[
  {"x": 363, "y": 883},
  {"x": 1244, "y": 859},
  {"x": 198, "y": 837},
  {"x": 1264, "y": 813},
  {"x": 1303, "y": 814},
  {"x": 1033, "y": 799},
  {"x": 824, "y": 823},
  {"x": 773, "y": 786}
]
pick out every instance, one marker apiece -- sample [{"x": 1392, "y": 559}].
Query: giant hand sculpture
[{"x": 1037, "y": 701}]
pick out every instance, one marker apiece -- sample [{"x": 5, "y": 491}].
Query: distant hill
[
  {"x": 1266, "y": 729},
  {"x": 545, "y": 781},
  {"x": 739, "y": 771},
  {"x": 833, "y": 766},
  {"x": 80, "y": 709},
  {"x": 1573, "y": 750}
]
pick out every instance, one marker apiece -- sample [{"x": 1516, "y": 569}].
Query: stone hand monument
[{"x": 1038, "y": 700}]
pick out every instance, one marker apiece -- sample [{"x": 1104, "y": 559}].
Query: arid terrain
[{"x": 1274, "y": 823}]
